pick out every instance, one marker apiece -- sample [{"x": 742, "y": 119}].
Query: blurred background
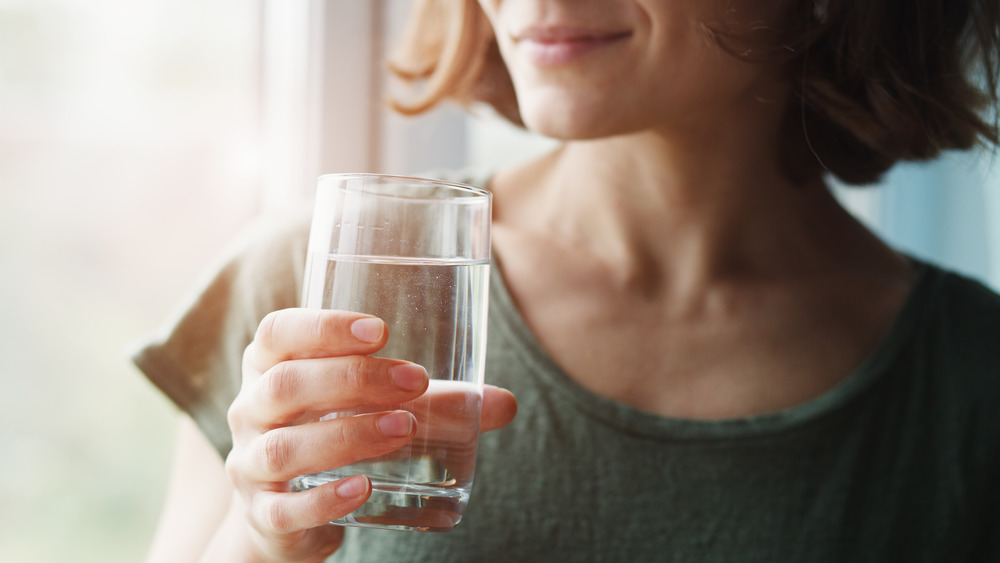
[
  {"x": 128, "y": 139},
  {"x": 137, "y": 137}
]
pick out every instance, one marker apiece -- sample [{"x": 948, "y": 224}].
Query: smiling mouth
[{"x": 555, "y": 46}]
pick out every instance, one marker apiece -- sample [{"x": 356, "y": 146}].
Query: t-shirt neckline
[{"x": 633, "y": 420}]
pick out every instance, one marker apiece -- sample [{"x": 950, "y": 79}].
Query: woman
[{"x": 712, "y": 360}]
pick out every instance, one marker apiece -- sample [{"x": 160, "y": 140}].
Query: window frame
[{"x": 312, "y": 124}]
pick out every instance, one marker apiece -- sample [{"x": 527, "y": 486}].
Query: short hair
[{"x": 874, "y": 82}]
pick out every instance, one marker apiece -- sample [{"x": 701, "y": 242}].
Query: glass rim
[{"x": 473, "y": 190}]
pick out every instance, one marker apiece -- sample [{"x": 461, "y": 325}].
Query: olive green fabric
[
  {"x": 195, "y": 359},
  {"x": 900, "y": 462}
]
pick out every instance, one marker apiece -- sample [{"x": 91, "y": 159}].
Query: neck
[
  {"x": 647, "y": 199},
  {"x": 685, "y": 210}
]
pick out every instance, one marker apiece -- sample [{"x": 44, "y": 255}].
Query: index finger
[{"x": 295, "y": 334}]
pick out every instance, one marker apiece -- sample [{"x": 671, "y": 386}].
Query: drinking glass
[{"x": 414, "y": 252}]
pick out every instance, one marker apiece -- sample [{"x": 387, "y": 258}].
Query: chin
[
  {"x": 565, "y": 124},
  {"x": 556, "y": 111}
]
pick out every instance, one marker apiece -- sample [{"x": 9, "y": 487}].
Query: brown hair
[{"x": 878, "y": 81}]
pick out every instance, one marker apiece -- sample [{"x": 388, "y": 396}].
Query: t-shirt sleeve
[{"x": 195, "y": 359}]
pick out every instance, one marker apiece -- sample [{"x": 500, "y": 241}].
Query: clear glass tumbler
[{"x": 416, "y": 253}]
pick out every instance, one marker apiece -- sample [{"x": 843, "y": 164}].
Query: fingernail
[
  {"x": 410, "y": 377},
  {"x": 368, "y": 329},
  {"x": 395, "y": 424},
  {"x": 352, "y": 487}
]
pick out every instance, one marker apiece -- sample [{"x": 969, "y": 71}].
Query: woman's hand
[{"x": 300, "y": 363}]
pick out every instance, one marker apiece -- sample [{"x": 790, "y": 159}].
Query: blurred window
[{"x": 129, "y": 136}]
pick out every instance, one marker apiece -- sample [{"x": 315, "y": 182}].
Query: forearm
[{"x": 198, "y": 498}]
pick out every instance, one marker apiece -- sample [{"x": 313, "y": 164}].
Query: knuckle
[
  {"x": 279, "y": 384},
  {"x": 236, "y": 414},
  {"x": 267, "y": 328},
  {"x": 233, "y": 469},
  {"x": 350, "y": 433},
  {"x": 247, "y": 364},
  {"x": 278, "y": 517},
  {"x": 339, "y": 437},
  {"x": 233, "y": 414},
  {"x": 355, "y": 374},
  {"x": 273, "y": 514},
  {"x": 275, "y": 451},
  {"x": 324, "y": 327}
]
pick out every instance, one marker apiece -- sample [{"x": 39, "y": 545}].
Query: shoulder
[
  {"x": 194, "y": 358},
  {"x": 965, "y": 321},
  {"x": 265, "y": 259},
  {"x": 968, "y": 293},
  {"x": 966, "y": 362},
  {"x": 258, "y": 271},
  {"x": 271, "y": 252},
  {"x": 269, "y": 237},
  {"x": 958, "y": 349}
]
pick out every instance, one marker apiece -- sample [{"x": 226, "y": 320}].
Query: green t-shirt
[{"x": 900, "y": 462}]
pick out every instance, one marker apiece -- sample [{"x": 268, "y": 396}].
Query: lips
[{"x": 555, "y": 45}]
